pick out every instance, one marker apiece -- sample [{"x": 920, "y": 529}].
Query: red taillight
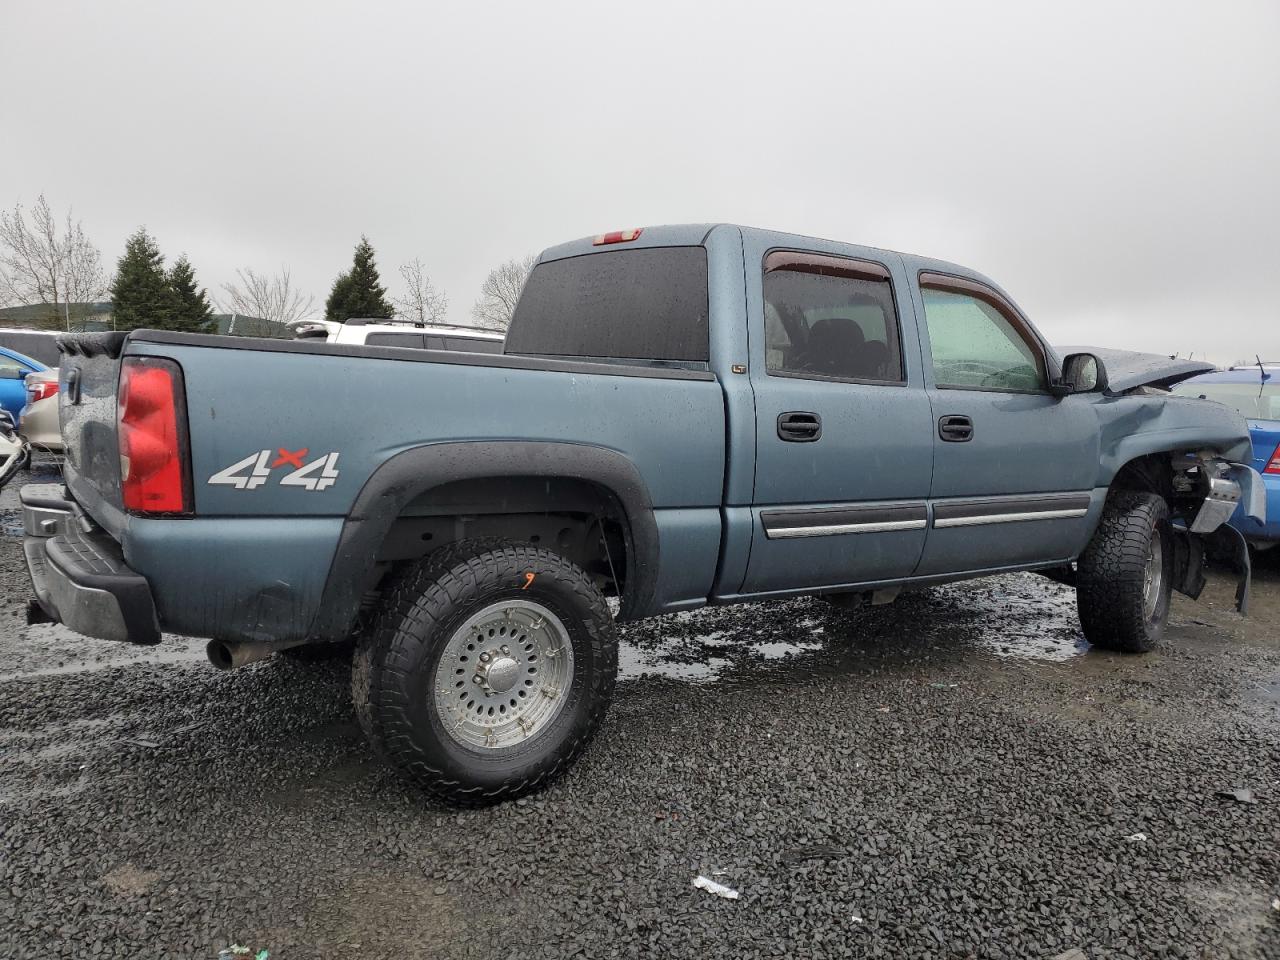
[
  {"x": 41, "y": 390},
  {"x": 151, "y": 422},
  {"x": 1274, "y": 465},
  {"x": 617, "y": 236}
]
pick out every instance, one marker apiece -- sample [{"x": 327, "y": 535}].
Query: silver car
[{"x": 38, "y": 423}]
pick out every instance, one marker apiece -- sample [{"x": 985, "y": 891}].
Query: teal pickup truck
[{"x": 682, "y": 415}]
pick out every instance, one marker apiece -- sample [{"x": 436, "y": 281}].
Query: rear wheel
[
  {"x": 1124, "y": 578},
  {"x": 488, "y": 670}
]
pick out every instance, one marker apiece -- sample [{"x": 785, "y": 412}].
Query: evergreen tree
[
  {"x": 359, "y": 291},
  {"x": 192, "y": 312},
  {"x": 141, "y": 295},
  {"x": 335, "y": 308}
]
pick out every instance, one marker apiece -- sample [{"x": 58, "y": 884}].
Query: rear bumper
[{"x": 79, "y": 573}]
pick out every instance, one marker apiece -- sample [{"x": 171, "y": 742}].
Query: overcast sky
[{"x": 1115, "y": 166}]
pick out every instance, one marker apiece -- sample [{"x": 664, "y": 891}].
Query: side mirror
[{"x": 1081, "y": 373}]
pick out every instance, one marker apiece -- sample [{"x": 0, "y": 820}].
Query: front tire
[
  {"x": 488, "y": 670},
  {"x": 1124, "y": 578}
]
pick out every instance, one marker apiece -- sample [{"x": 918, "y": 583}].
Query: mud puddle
[
  {"x": 1019, "y": 616},
  {"x": 49, "y": 651}
]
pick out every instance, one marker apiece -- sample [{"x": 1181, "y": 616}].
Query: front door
[
  {"x": 844, "y": 427},
  {"x": 1014, "y": 466}
]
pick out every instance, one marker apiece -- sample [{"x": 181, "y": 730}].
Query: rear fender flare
[{"x": 412, "y": 472}]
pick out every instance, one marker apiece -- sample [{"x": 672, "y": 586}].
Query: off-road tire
[
  {"x": 1111, "y": 574},
  {"x": 395, "y": 662}
]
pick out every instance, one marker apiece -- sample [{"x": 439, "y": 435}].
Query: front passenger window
[{"x": 977, "y": 345}]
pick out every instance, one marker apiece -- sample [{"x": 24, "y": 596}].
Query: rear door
[
  {"x": 843, "y": 424},
  {"x": 1014, "y": 466}
]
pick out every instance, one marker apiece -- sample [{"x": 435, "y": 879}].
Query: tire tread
[
  {"x": 1110, "y": 574},
  {"x": 414, "y": 605}
]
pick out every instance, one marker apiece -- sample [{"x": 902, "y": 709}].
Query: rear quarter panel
[{"x": 258, "y": 558}]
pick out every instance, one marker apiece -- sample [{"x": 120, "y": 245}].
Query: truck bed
[{"x": 361, "y": 406}]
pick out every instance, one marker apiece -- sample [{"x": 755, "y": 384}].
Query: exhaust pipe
[{"x": 227, "y": 655}]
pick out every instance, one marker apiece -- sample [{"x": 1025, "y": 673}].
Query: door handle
[
  {"x": 955, "y": 429},
  {"x": 797, "y": 426}
]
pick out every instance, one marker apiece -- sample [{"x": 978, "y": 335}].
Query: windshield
[{"x": 1254, "y": 401}]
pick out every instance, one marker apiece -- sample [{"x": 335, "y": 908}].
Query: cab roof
[{"x": 696, "y": 234}]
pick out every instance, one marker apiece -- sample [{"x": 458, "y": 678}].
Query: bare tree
[
  {"x": 266, "y": 297},
  {"x": 500, "y": 292},
  {"x": 43, "y": 261},
  {"x": 422, "y": 302}
]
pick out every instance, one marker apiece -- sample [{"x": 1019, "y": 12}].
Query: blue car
[
  {"x": 1255, "y": 393},
  {"x": 14, "y": 367}
]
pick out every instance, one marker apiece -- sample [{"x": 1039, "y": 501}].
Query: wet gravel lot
[{"x": 954, "y": 775}]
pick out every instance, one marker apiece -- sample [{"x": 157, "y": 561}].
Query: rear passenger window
[
  {"x": 415, "y": 340},
  {"x": 830, "y": 317},
  {"x": 641, "y": 304}
]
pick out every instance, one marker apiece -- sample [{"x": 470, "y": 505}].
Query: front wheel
[
  {"x": 488, "y": 670},
  {"x": 1124, "y": 578}
]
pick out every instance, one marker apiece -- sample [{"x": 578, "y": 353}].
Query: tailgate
[{"x": 90, "y": 372}]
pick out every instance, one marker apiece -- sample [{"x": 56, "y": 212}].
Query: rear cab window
[{"x": 644, "y": 304}]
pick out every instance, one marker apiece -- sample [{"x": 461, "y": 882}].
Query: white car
[
  {"x": 382, "y": 333},
  {"x": 39, "y": 423}
]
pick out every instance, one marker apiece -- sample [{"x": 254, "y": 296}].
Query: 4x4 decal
[{"x": 255, "y": 470}]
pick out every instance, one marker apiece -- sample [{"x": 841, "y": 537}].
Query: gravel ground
[{"x": 954, "y": 775}]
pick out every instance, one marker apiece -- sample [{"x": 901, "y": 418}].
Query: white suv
[{"x": 383, "y": 333}]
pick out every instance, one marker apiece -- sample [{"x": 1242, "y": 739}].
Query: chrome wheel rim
[
  {"x": 1153, "y": 578},
  {"x": 504, "y": 675}
]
